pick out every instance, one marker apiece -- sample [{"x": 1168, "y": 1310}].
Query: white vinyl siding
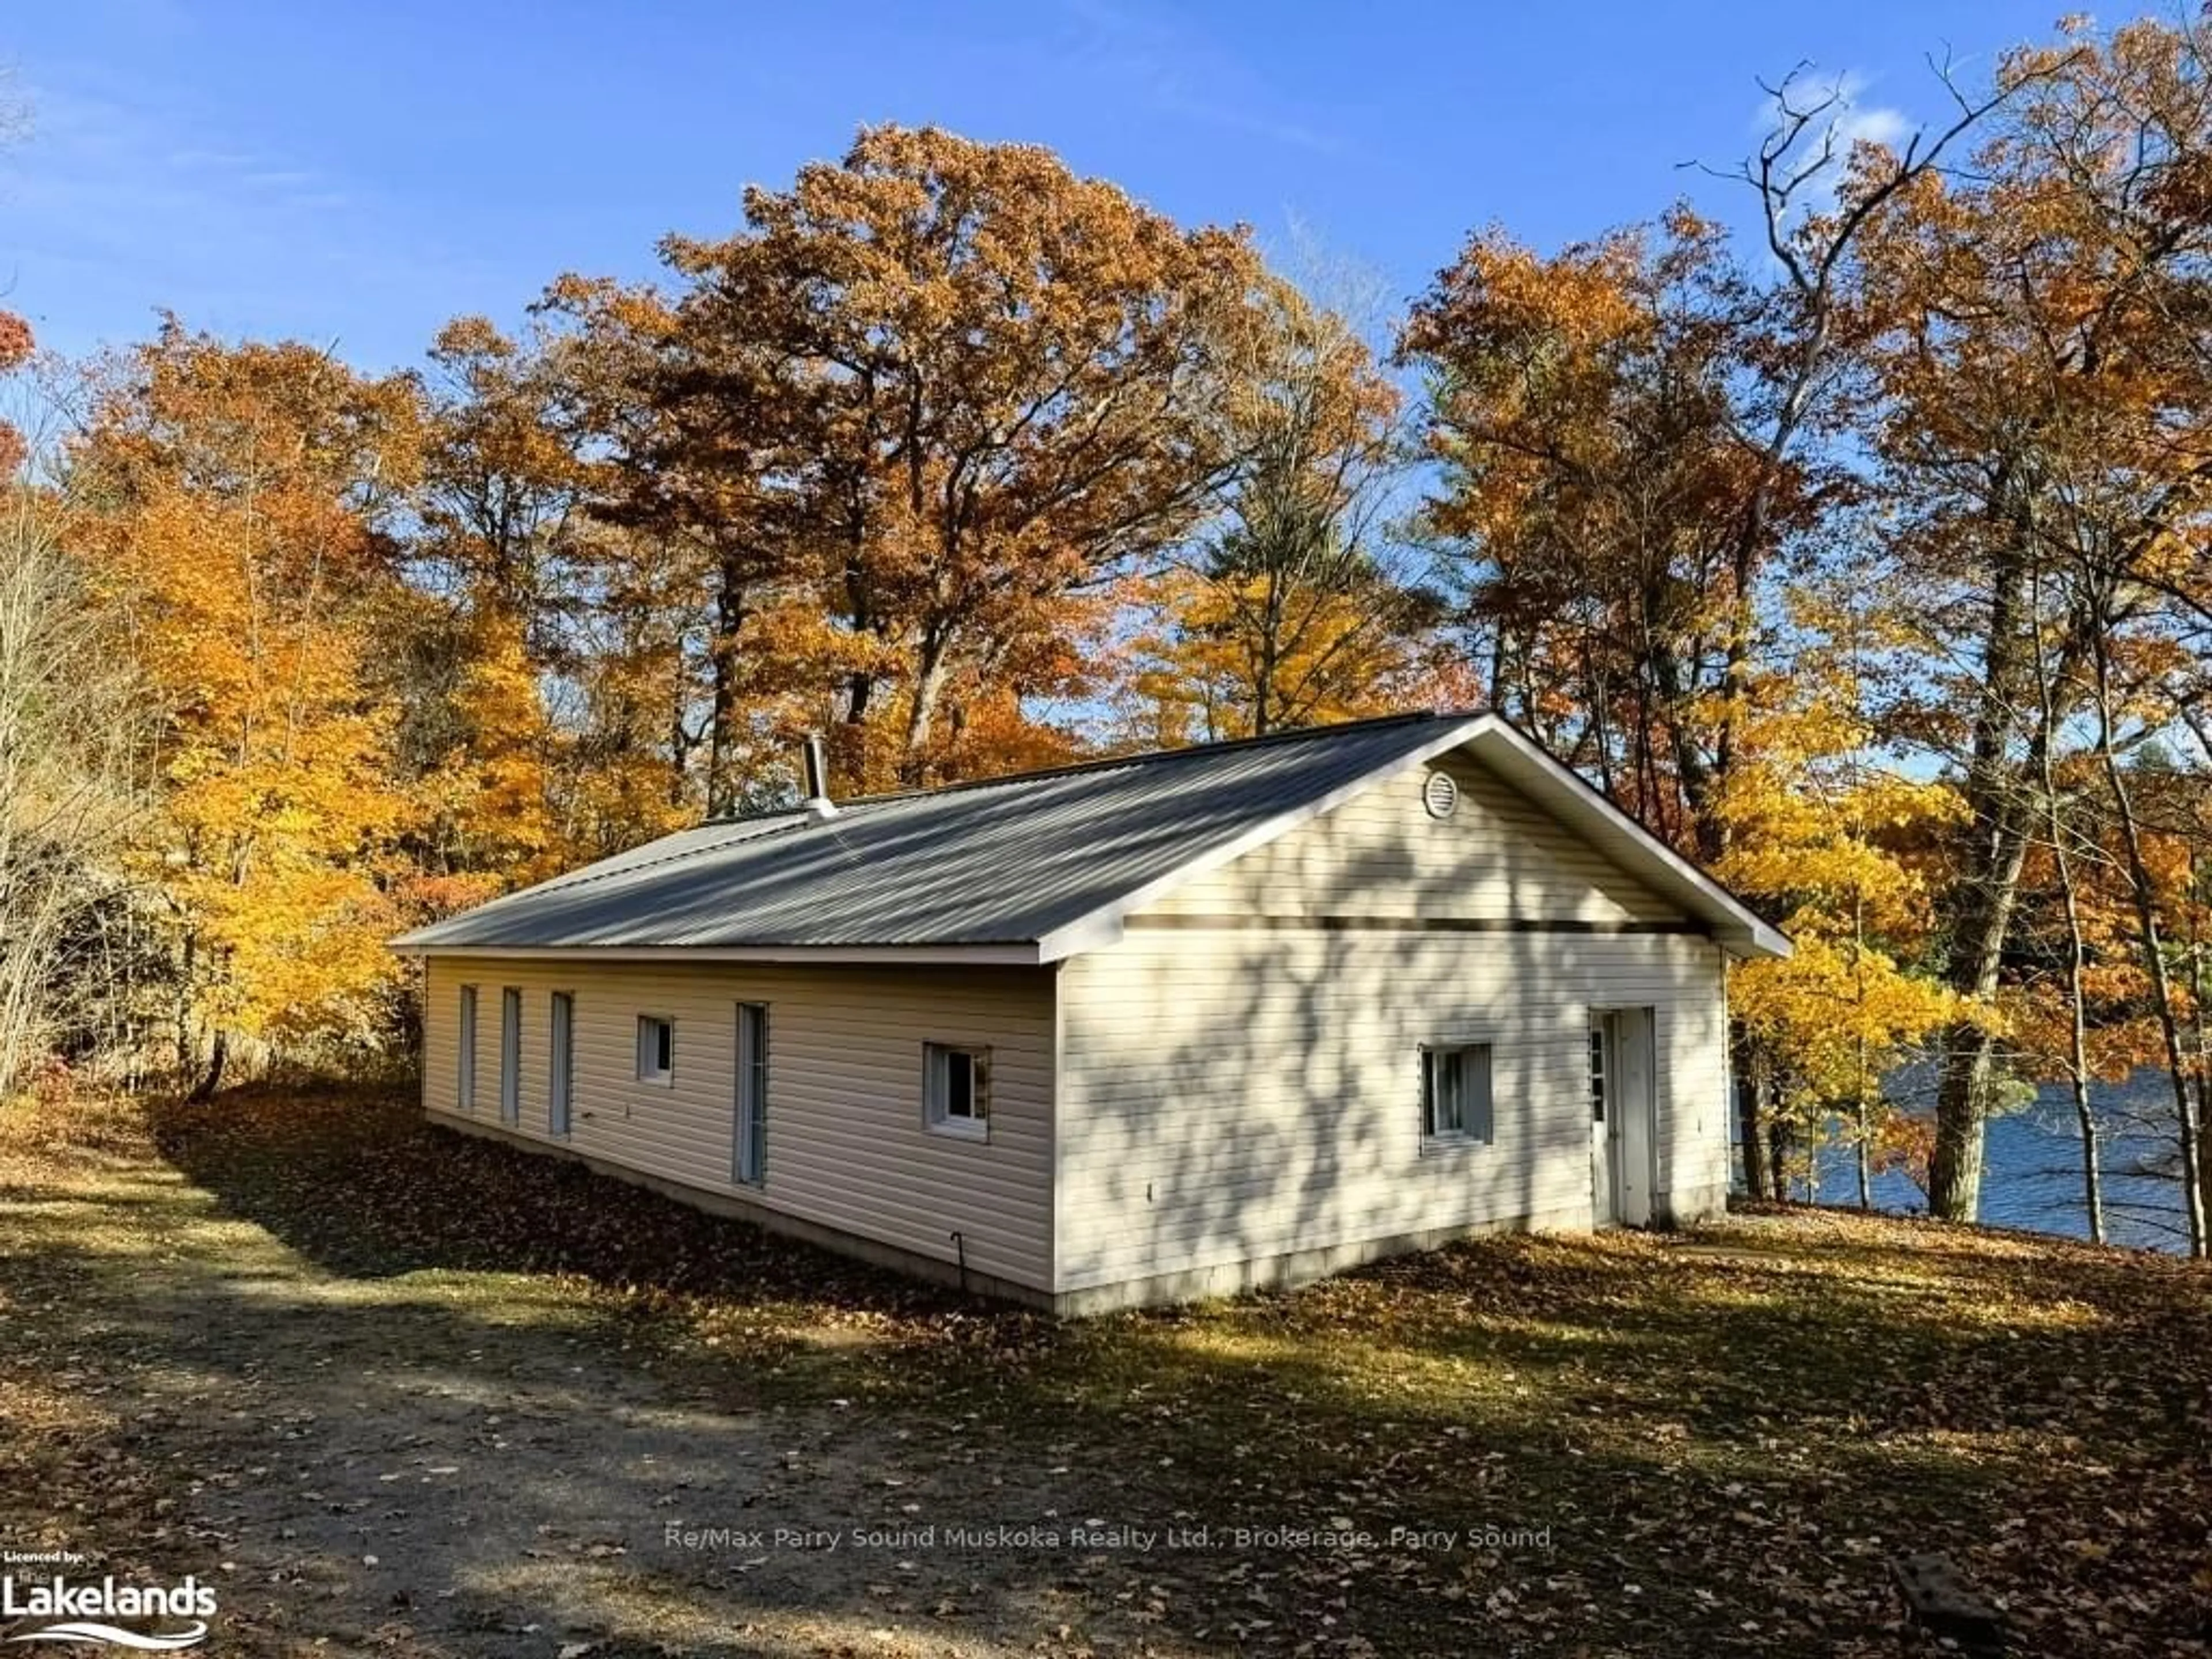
[
  {"x": 1234, "y": 1095},
  {"x": 1242, "y": 1076},
  {"x": 1499, "y": 855},
  {"x": 850, "y": 1147}
]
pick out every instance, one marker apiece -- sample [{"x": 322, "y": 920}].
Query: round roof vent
[{"x": 1440, "y": 794}]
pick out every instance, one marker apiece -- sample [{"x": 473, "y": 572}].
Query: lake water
[{"x": 2032, "y": 1177}]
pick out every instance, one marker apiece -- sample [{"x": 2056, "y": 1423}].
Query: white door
[
  {"x": 749, "y": 1131},
  {"x": 1623, "y": 1117},
  {"x": 1635, "y": 1115},
  {"x": 510, "y": 1055},
  {"x": 1604, "y": 1033}
]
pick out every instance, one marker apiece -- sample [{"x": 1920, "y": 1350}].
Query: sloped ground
[{"x": 395, "y": 1391}]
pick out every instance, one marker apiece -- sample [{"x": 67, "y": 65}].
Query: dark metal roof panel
[{"x": 993, "y": 863}]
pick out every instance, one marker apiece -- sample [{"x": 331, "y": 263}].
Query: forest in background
[{"x": 1863, "y": 556}]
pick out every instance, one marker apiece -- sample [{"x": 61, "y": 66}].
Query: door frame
[
  {"x": 749, "y": 1050},
  {"x": 1625, "y": 1156},
  {"x": 561, "y": 1063}
]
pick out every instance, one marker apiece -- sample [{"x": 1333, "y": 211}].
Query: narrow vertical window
[
  {"x": 749, "y": 1157},
  {"x": 467, "y": 1081},
  {"x": 1599, "y": 1083},
  {"x": 510, "y": 1055},
  {"x": 561, "y": 1067}
]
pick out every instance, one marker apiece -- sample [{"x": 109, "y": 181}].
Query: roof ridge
[{"x": 1146, "y": 756}]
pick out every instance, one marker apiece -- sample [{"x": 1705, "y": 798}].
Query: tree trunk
[
  {"x": 2154, "y": 954},
  {"x": 729, "y": 618},
  {"x": 1866, "y": 1155},
  {"x": 930, "y": 677},
  {"x": 1962, "y": 1113},
  {"x": 2077, "y": 1056},
  {"x": 204, "y": 1089},
  {"x": 1750, "y": 1071},
  {"x": 2203, "y": 1053},
  {"x": 1982, "y": 898}
]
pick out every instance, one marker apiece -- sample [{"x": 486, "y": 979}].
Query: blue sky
[{"x": 359, "y": 173}]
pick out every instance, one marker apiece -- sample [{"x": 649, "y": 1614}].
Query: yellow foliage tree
[
  {"x": 1198, "y": 672},
  {"x": 1824, "y": 837},
  {"x": 231, "y": 494}
]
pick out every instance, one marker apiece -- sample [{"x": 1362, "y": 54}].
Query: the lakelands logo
[{"x": 83, "y": 1613}]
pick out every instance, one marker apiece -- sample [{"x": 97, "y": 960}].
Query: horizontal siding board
[
  {"x": 1232, "y": 1094},
  {"x": 847, "y": 1147},
  {"x": 1498, "y": 857}
]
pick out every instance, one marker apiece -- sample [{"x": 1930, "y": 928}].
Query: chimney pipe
[{"x": 817, "y": 771}]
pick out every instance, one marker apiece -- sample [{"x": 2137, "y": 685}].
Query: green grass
[{"x": 1705, "y": 1443}]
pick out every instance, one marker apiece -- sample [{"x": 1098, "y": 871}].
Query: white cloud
[
  {"x": 1843, "y": 114},
  {"x": 1858, "y": 121}
]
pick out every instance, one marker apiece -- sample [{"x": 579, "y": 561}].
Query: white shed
[{"x": 1143, "y": 1028}]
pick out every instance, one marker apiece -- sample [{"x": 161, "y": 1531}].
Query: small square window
[
  {"x": 956, "y": 1089},
  {"x": 656, "y": 1049},
  {"x": 1455, "y": 1093}
]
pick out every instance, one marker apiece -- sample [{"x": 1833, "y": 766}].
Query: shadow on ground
[{"x": 423, "y": 1394}]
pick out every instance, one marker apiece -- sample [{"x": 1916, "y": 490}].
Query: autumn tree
[
  {"x": 228, "y": 500},
  {"x": 1298, "y": 605},
  {"x": 1828, "y": 836},
  {"x": 1594, "y": 493},
  {"x": 2042, "y": 396},
  {"x": 1631, "y": 430},
  {"x": 944, "y": 391},
  {"x": 68, "y": 728}
]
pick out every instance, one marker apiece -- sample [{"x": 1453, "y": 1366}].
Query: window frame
[
  {"x": 1601, "y": 1073},
  {"x": 660, "y": 1077},
  {"x": 464, "y": 1082},
  {"x": 510, "y": 1054},
  {"x": 937, "y": 1115},
  {"x": 561, "y": 1064},
  {"x": 748, "y": 1120},
  {"x": 1477, "y": 1106}
]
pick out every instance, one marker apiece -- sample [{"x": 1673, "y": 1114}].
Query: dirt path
[
  {"x": 395, "y": 1391},
  {"x": 441, "y": 1464}
]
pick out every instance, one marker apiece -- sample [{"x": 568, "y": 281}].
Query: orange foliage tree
[{"x": 950, "y": 390}]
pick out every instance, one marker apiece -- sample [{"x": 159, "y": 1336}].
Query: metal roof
[
  {"x": 1036, "y": 863},
  {"x": 999, "y": 862}
]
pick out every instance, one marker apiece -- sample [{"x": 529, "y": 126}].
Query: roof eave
[
  {"x": 1021, "y": 953},
  {"x": 1750, "y": 943},
  {"x": 1740, "y": 930}
]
